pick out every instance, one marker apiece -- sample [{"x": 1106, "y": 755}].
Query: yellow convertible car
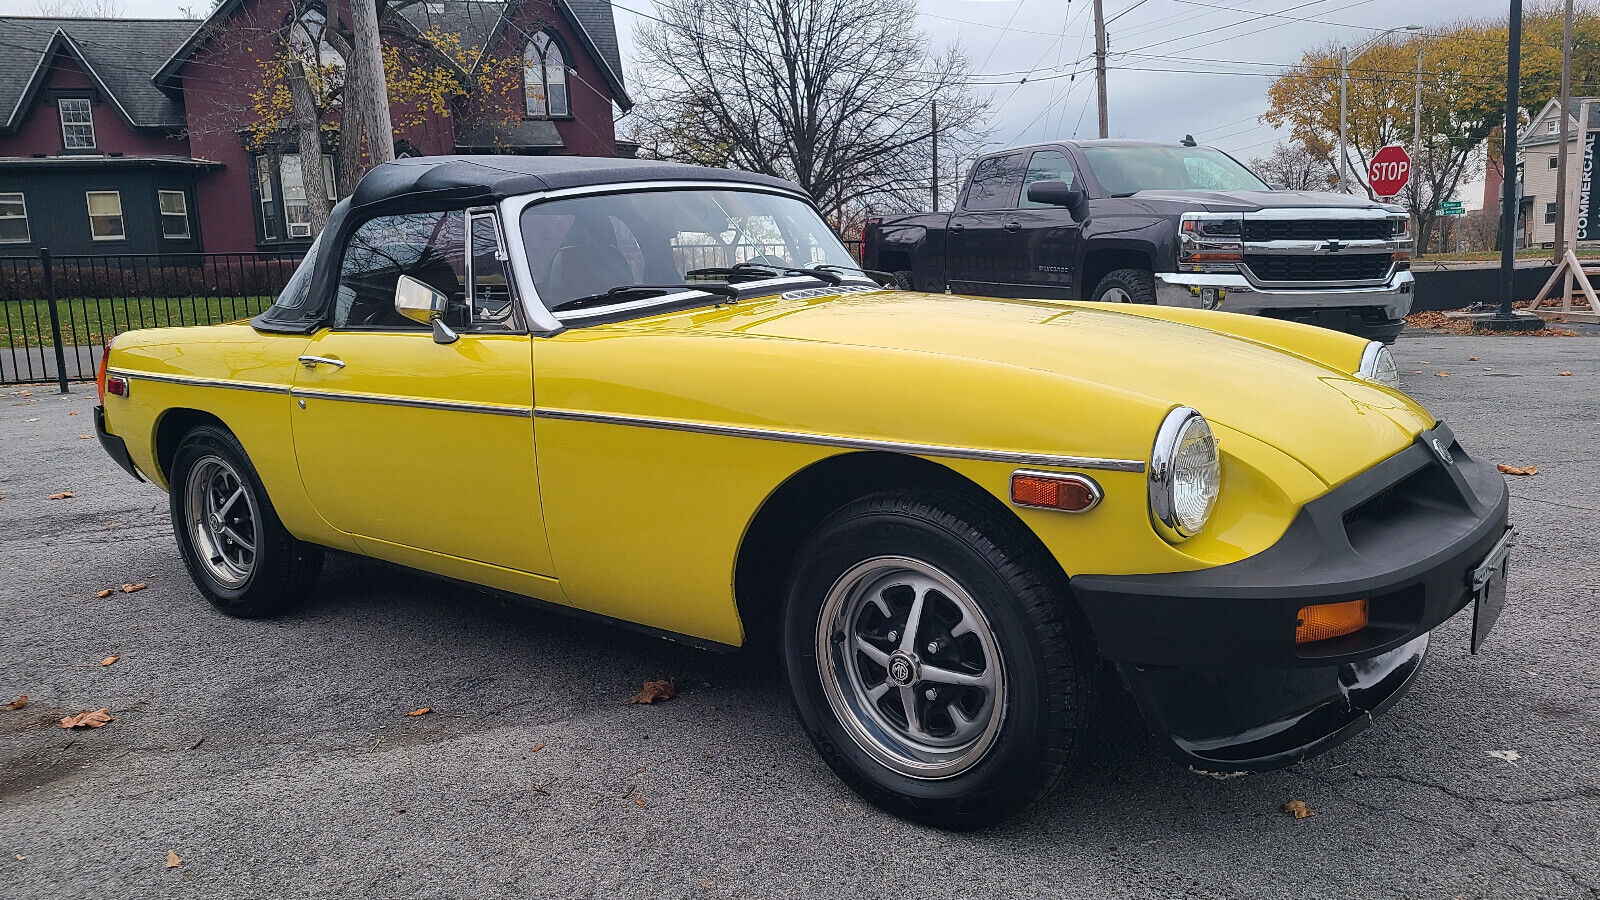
[{"x": 663, "y": 395}]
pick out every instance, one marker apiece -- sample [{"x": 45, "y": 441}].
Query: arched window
[{"x": 544, "y": 78}]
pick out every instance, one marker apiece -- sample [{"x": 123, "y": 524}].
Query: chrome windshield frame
[{"x": 542, "y": 321}]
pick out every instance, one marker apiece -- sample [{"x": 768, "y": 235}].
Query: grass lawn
[
  {"x": 1585, "y": 251},
  {"x": 92, "y": 321}
]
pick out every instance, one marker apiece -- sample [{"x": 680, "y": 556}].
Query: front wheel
[
  {"x": 237, "y": 551},
  {"x": 934, "y": 661},
  {"x": 1126, "y": 286}
]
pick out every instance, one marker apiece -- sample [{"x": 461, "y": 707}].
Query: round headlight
[
  {"x": 1377, "y": 366},
  {"x": 1185, "y": 475}
]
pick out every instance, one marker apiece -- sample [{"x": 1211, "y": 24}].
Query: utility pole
[
  {"x": 1100, "y": 65},
  {"x": 935, "y": 105},
  {"x": 1416, "y": 151},
  {"x": 1344, "y": 76},
  {"x": 1561, "y": 149},
  {"x": 1505, "y": 318}
]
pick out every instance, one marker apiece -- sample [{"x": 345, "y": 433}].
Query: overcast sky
[{"x": 1167, "y": 56}]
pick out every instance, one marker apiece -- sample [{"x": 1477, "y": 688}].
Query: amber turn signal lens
[
  {"x": 1072, "y": 493},
  {"x": 1330, "y": 620}
]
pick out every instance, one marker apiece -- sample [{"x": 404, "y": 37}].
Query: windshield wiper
[
  {"x": 878, "y": 275},
  {"x": 745, "y": 268},
  {"x": 710, "y": 287}
]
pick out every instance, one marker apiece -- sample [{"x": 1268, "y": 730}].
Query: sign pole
[{"x": 1505, "y": 318}]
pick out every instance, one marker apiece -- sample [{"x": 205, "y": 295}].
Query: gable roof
[
  {"x": 1534, "y": 136},
  {"x": 479, "y": 22},
  {"x": 118, "y": 59}
]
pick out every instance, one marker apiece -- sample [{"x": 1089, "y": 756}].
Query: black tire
[
  {"x": 1138, "y": 285},
  {"x": 1051, "y": 671},
  {"x": 904, "y": 281},
  {"x": 282, "y": 570}
]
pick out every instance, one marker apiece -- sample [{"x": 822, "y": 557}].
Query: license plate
[{"x": 1489, "y": 588}]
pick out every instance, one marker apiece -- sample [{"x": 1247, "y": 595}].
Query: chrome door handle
[
  {"x": 311, "y": 362},
  {"x": 1013, "y": 227}
]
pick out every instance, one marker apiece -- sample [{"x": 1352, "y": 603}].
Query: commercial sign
[{"x": 1588, "y": 198}]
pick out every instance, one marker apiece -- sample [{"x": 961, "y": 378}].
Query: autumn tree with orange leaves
[{"x": 1463, "y": 98}]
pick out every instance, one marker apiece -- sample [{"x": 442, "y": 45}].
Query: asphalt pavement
[{"x": 275, "y": 758}]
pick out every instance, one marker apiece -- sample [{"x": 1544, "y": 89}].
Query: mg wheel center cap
[{"x": 902, "y": 670}]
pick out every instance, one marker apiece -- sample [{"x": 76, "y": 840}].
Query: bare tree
[
  {"x": 1292, "y": 166},
  {"x": 835, "y": 95},
  {"x": 81, "y": 9}
]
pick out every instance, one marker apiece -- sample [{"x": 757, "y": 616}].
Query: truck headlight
[
  {"x": 1377, "y": 366},
  {"x": 1185, "y": 475},
  {"x": 1210, "y": 242}
]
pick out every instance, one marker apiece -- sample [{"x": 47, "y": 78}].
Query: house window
[
  {"x": 544, "y": 78},
  {"x": 285, "y": 213},
  {"x": 174, "y": 214},
  {"x": 1551, "y": 126},
  {"x": 105, "y": 215},
  {"x": 1549, "y": 213},
  {"x": 77, "y": 124},
  {"x": 13, "y": 219},
  {"x": 1552, "y": 162}
]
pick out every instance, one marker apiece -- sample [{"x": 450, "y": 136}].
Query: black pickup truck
[{"x": 1147, "y": 222}]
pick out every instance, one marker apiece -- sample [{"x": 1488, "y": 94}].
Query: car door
[
  {"x": 1051, "y": 246},
  {"x": 406, "y": 442},
  {"x": 984, "y": 247}
]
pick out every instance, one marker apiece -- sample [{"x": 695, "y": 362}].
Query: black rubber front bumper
[
  {"x": 113, "y": 445},
  {"x": 1211, "y": 657}
]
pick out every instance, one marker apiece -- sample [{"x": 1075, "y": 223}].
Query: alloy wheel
[
  {"x": 224, "y": 525},
  {"x": 911, "y": 666}
]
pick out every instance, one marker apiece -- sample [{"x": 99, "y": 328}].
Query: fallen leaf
[
  {"x": 1563, "y": 373},
  {"x": 21, "y": 858},
  {"x": 20, "y": 702},
  {"x": 173, "y": 860},
  {"x": 1517, "y": 470},
  {"x": 64, "y": 495},
  {"x": 130, "y": 588},
  {"x": 537, "y": 749},
  {"x": 1509, "y": 756},
  {"x": 1441, "y": 374},
  {"x": 1472, "y": 359},
  {"x": 420, "y": 712},
  {"x": 88, "y": 719},
  {"x": 639, "y": 800},
  {"x": 110, "y": 659},
  {"x": 73, "y": 413},
  {"x": 1425, "y": 362},
  {"x": 662, "y": 689},
  {"x": 104, "y": 593},
  {"x": 1298, "y": 809},
  {"x": 85, "y": 437}
]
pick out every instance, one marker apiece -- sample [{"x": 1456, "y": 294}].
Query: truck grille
[
  {"x": 1322, "y": 267},
  {"x": 1317, "y": 229}
]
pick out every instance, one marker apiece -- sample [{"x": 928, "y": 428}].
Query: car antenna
[{"x": 1188, "y": 140}]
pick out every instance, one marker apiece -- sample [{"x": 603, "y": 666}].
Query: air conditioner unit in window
[{"x": 300, "y": 229}]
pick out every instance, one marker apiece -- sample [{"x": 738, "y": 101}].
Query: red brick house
[{"x": 131, "y": 135}]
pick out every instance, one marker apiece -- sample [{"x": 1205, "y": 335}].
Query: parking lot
[{"x": 275, "y": 758}]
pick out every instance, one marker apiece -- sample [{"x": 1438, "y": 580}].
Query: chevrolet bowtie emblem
[{"x": 1332, "y": 247}]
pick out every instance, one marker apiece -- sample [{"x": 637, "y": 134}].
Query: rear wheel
[
  {"x": 1126, "y": 286},
  {"x": 904, "y": 281},
  {"x": 934, "y": 661},
  {"x": 237, "y": 551}
]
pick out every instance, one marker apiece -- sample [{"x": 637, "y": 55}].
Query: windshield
[
  {"x": 580, "y": 247},
  {"x": 1127, "y": 170}
]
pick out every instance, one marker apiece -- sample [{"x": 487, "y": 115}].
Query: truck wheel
[
  {"x": 934, "y": 661},
  {"x": 1126, "y": 286},
  {"x": 237, "y": 551},
  {"x": 903, "y": 280}
]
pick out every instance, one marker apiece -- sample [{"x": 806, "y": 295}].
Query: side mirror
[
  {"x": 422, "y": 304},
  {"x": 1057, "y": 193}
]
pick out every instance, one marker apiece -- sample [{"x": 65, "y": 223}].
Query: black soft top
[
  {"x": 489, "y": 178},
  {"x": 441, "y": 182}
]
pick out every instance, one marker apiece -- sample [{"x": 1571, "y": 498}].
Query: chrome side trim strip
[
  {"x": 848, "y": 443},
  {"x": 202, "y": 382},
  {"x": 492, "y": 409}
]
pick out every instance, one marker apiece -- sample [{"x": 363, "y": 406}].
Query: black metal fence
[{"x": 57, "y": 312}]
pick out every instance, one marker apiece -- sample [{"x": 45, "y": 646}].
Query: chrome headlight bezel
[
  {"x": 1377, "y": 366},
  {"x": 1173, "y": 468}
]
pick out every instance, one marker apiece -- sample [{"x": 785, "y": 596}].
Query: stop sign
[{"x": 1389, "y": 170}]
